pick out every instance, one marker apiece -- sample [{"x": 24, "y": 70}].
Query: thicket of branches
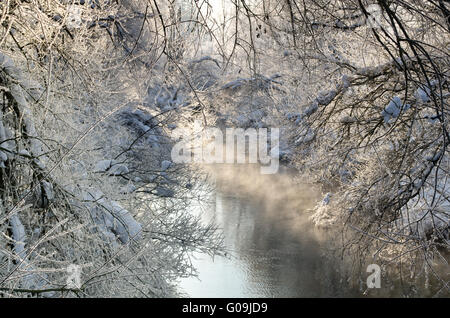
[
  {"x": 361, "y": 90},
  {"x": 85, "y": 173},
  {"x": 382, "y": 130}
]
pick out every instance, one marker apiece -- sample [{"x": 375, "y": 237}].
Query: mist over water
[{"x": 274, "y": 250}]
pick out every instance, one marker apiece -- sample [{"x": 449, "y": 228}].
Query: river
[{"x": 274, "y": 250}]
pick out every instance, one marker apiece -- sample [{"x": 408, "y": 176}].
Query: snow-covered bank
[{"x": 87, "y": 185}]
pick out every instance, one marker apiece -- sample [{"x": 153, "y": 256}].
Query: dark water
[{"x": 274, "y": 250}]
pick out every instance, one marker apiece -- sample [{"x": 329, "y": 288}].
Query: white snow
[
  {"x": 129, "y": 188},
  {"x": 164, "y": 192},
  {"x": 325, "y": 98},
  {"x": 3, "y": 156},
  {"x": 306, "y": 137},
  {"x": 103, "y": 165},
  {"x": 112, "y": 167},
  {"x": 393, "y": 109},
  {"x": 311, "y": 109},
  {"x": 323, "y": 216},
  {"x": 165, "y": 164},
  {"x": 24, "y": 153},
  {"x": 423, "y": 94},
  {"x": 48, "y": 189},
  {"x": 118, "y": 169},
  {"x": 112, "y": 217}
]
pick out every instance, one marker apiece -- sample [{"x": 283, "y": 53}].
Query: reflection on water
[{"x": 274, "y": 249}]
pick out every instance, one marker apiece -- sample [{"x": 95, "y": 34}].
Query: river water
[{"x": 273, "y": 248}]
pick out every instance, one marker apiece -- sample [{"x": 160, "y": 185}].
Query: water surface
[{"x": 274, "y": 250}]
